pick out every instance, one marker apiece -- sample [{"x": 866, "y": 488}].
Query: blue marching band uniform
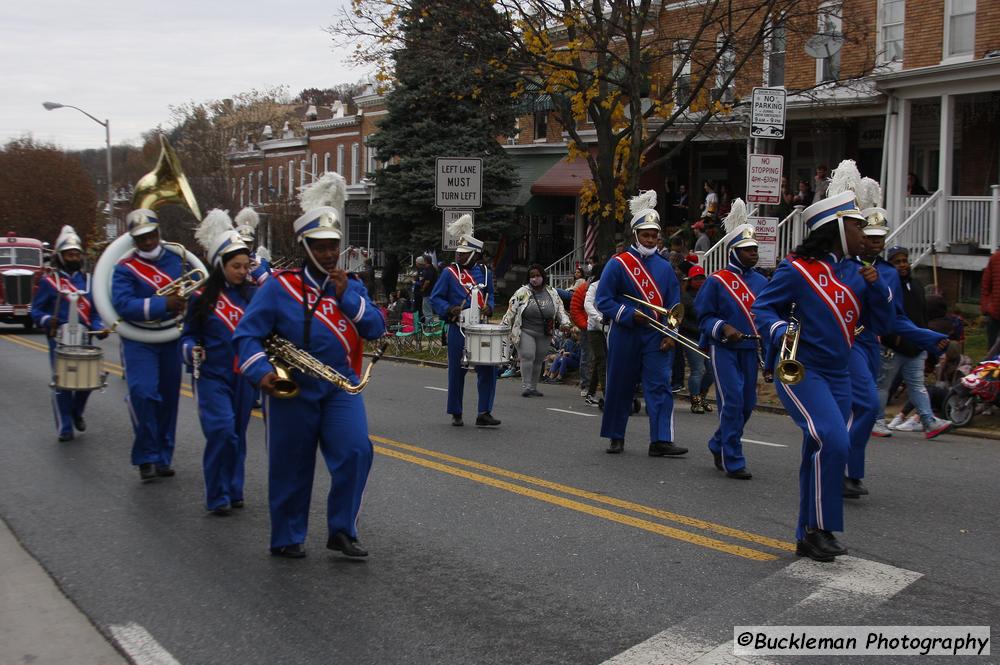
[
  {"x": 224, "y": 398},
  {"x": 453, "y": 290},
  {"x": 246, "y": 223},
  {"x": 152, "y": 370},
  {"x": 50, "y": 301},
  {"x": 830, "y": 298},
  {"x": 726, "y": 298},
  {"x": 302, "y": 306},
  {"x": 635, "y": 350}
]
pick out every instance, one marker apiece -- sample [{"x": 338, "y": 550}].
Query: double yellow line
[{"x": 565, "y": 496}]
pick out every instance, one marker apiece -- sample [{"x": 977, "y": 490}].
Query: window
[
  {"x": 302, "y": 173},
  {"x": 260, "y": 187},
  {"x": 291, "y": 177},
  {"x": 326, "y": 163},
  {"x": 960, "y": 28},
  {"x": 315, "y": 157},
  {"x": 541, "y": 125},
  {"x": 774, "y": 63},
  {"x": 281, "y": 178},
  {"x": 20, "y": 256},
  {"x": 724, "y": 69},
  {"x": 831, "y": 24},
  {"x": 355, "y": 164},
  {"x": 270, "y": 177},
  {"x": 891, "y": 33},
  {"x": 243, "y": 183},
  {"x": 682, "y": 72},
  {"x": 340, "y": 159},
  {"x": 250, "y": 188}
]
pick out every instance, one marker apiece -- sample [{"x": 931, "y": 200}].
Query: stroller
[{"x": 973, "y": 393}]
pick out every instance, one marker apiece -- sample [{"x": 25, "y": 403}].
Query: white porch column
[
  {"x": 994, "y": 217},
  {"x": 946, "y": 151},
  {"x": 900, "y": 164},
  {"x": 578, "y": 231}
]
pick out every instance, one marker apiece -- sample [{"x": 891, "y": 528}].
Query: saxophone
[{"x": 285, "y": 357}]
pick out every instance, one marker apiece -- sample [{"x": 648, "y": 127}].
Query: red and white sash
[
  {"x": 228, "y": 312},
  {"x": 329, "y": 314},
  {"x": 465, "y": 278},
  {"x": 82, "y": 303},
  {"x": 641, "y": 278},
  {"x": 837, "y": 296},
  {"x": 147, "y": 272},
  {"x": 741, "y": 293}
]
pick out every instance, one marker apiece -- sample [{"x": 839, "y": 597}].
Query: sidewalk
[{"x": 38, "y": 624}]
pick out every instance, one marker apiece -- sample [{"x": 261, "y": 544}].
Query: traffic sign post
[
  {"x": 448, "y": 243},
  {"x": 764, "y": 179},
  {"x": 767, "y": 113},
  {"x": 458, "y": 182},
  {"x": 766, "y": 232}
]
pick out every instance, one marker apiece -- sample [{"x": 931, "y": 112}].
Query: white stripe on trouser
[
  {"x": 817, "y": 467},
  {"x": 55, "y": 410},
  {"x": 722, "y": 405}
]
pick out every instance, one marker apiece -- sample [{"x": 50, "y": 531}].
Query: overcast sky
[{"x": 129, "y": 61}]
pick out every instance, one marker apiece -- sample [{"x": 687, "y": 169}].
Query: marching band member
[
  {"x": 152, "y": 370},
  {"x": 452, "y": 294},
  {"x": 636, "y": 350},
  {"x": 50, "y": 309},
  {"x": 866, "y": 354},
  {"x": 224, "y": 398},
  {"x": 247, "y": 221},
  {"x": 725, "y": 320},
  {"x": 830, "y": 292},
  {"x": 328, "y": 315}
]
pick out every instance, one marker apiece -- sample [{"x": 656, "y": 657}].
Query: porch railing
[
  {"x": 789, "y": 235},
  {"x": 560, "y": 272},
  {"x": 918, "y": 230},
  {"x": 967, "y": 219}
]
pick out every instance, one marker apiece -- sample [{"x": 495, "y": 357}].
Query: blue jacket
[
  {"x": 716, "y": 307},
  {"x": 213, "y": 334},
  {"x": 900, "y": 324},
  {"x": 822, "y": 342},
  {"x": 615, "y": 283},
  {"x": 275, "y": 308},
  {"x": 133, "y": 297},
  {"x": 448, "y": 292},
  {"x": 43, "y": 305}
]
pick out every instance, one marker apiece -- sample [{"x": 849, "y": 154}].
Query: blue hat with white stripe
[
  {"x": 321, "y": 223},
  {"x": 832, "y": 208},
  {"x": 141, "y": 221}
]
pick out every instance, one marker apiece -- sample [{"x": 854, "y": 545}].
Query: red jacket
[
  {"x": 989, "y": 293},
  {"x": 577, "y": 314}
]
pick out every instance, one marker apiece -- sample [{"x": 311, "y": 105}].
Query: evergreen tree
[{"x": 446, "y": 101}]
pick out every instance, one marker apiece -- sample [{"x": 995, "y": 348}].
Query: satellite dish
[{"x": 823, "y": 46}]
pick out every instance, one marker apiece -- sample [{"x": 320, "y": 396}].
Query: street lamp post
[{"x": 51, "y": 106}]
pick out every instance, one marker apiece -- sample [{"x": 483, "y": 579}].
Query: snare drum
[
  {"x": 79, "y": 368},
  {"x": 486, "y": 344}
]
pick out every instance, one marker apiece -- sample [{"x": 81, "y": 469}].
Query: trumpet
[
  {"x": 285, "y": 357},
  {"x": 674, "y": 316},
  {"x": 789, "y": 370},
  {"x": 184, "y": 285}
]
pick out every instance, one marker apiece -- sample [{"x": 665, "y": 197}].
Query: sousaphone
[{"x": 164, "y": 185}]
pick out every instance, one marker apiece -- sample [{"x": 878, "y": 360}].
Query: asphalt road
[{"x": 525, "y": 544}]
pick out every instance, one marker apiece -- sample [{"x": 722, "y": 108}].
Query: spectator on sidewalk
[
  {"x": 428, "y": 278},
  {"x": 596, "y": 338},
  {"x": 702, "y": 242},
  {"x": 578, "y": 315},
  {"x": 989, "y": 298},
  {"x": 820, "y": 182},
  {"x": 700, "y": 378}
]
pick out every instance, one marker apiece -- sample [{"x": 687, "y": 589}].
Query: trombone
[
  {"x": 674, "y": 317},
  {"x": 789, "y": 370}
]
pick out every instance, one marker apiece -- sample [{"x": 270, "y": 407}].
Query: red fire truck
[{"x": 20, "y": 269}]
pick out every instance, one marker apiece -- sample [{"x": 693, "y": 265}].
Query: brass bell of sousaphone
[{"x": 165, "y": 184}]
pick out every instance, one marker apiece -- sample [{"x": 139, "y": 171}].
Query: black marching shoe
[
  {"x": 295, "y": 551},
  {"x": 665, "y": 449},
  {"x": 237, "y": 504},
  {"x": 456, "y": 420},
  {"x": 147, "y": 472},
  {"x": 66, "y": 436},
  {"x": 814, "y": 547},
  {"x": 831, "y": 543},
  {"x": 853, "y": 489},
  {"x": 165, "y": 471},
  {"x": 486, "y": 420},
  {"x": 341, "y": 542},
  {"x": 616, "y": 447},
  {"x": 718, "y": 461},
  {"x": 224, "y": 510},
  {"x": 740, "y": 474},
  {"x": 80, "y": 424}
]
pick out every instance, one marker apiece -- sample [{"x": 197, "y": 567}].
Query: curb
[{"x": 971, "y": 432}]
